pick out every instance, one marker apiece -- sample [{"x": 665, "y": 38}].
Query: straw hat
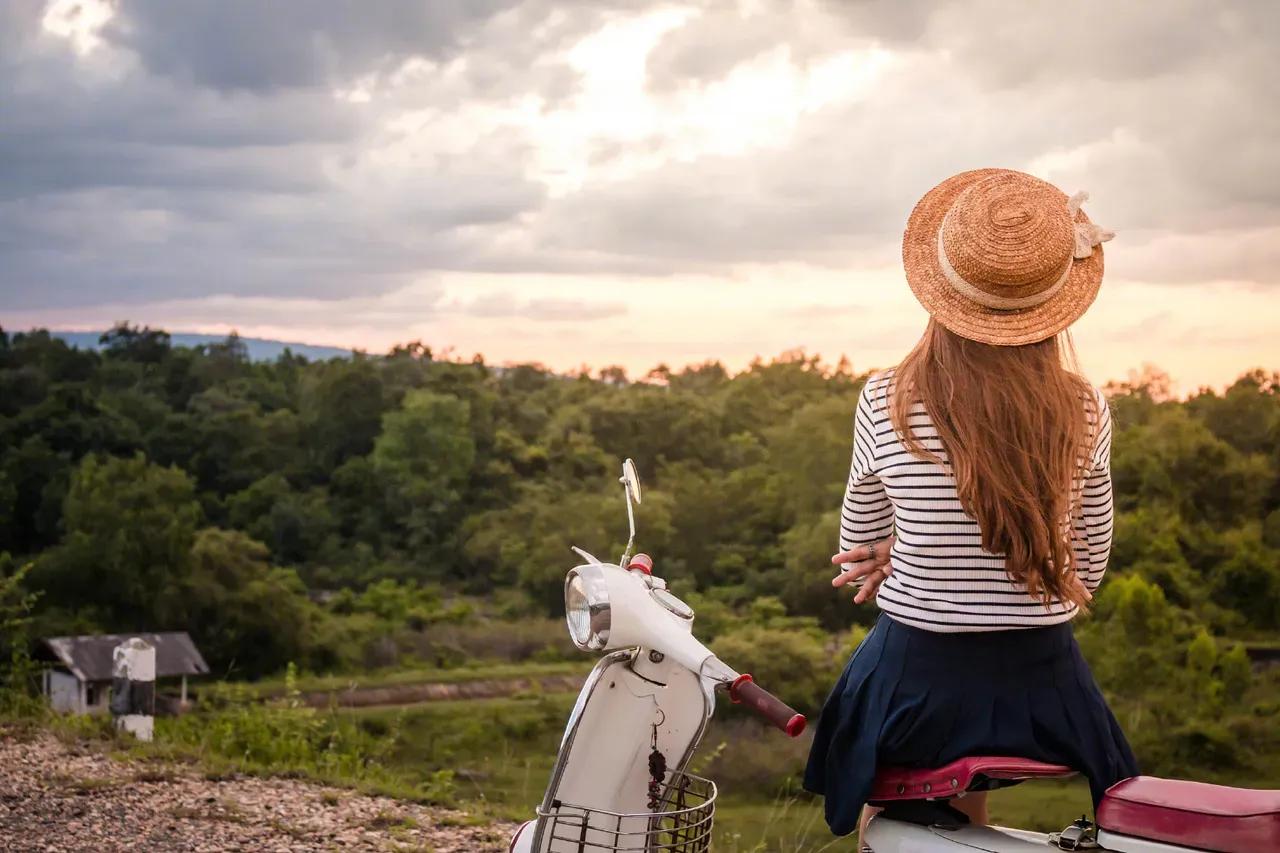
[{"x": 1002, "y": 257}]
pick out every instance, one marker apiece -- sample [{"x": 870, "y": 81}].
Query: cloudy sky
[{"x": 624, "y": 181}]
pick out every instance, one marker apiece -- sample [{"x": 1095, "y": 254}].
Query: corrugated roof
[{"x": 89, "y": 658}]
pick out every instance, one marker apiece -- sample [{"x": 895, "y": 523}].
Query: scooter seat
[
  {"x": 1191, "y": 814},
  {"x": 973, "y": 773}
]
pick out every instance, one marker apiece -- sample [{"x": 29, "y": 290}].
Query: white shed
[{"x": 78, "y": 677}]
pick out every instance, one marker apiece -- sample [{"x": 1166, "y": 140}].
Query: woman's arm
[
  {"x": 1097, "y": 507},
  {"x": 866, "y": 516}
]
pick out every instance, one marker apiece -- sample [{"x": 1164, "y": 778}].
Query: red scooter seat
[
  {"x": 1193, "y": 814},
  {"x": 974, "y": 773}
]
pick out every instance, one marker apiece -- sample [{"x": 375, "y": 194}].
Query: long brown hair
[{"x": 1015, "y": 424}]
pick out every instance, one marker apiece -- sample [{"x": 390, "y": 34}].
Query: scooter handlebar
[{"x": 745, "y": 691}]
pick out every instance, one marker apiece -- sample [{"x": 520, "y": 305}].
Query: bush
[
  {"x": 449, "y": 645},
  {"x": 745, "y": 757},
  {"x": 792, "y": 664},
  {"x": 291, "y": 739},
  {"x": 18, "y": 694},
  {"x": 1199, "y": 744}
]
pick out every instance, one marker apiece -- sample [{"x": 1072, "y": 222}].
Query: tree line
[{"x": 300, "y": 511}]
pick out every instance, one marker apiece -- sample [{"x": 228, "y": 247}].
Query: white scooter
[{"x": 620, "y": 781}]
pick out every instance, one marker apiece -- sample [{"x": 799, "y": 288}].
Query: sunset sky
[{"x": 626, "y": 182}]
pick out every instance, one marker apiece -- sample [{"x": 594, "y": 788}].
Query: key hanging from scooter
[{"x": 657, "y": 768}]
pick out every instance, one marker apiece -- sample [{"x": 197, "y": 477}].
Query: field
[
  {"x": 491, "y": 757},
  {"x": 502, "y": 752}
]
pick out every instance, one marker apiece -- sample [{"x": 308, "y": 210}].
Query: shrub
[
  {"x": 453, "y": 644},
  {"x": 291, "y": 739},
  {"x": 791, "y": 663},
  {"x": 18, "y": 696}
]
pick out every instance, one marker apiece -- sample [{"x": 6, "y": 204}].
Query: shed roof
[{"x": 89, "y": 658}]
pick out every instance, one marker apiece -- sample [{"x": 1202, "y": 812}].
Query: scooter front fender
[{"x": 603, "y": 759}]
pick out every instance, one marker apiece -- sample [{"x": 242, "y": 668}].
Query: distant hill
[{"x": 260, "y": 349}]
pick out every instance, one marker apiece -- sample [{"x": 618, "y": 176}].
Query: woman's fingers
[
  {"x": 864, "y": 552},
  {"x": 853, "y": 555},
  {"x": 868, "y": 590},
  {"x": 853, "y": 571},
  {"x": 859, "y": 562}
]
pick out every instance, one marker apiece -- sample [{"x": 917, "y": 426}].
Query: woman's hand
[{"x": 869, "y": 562}]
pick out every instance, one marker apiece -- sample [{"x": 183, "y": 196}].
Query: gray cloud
[
  {"x": 246, "y": 44},
  {"x": 203, "y": 148},
  {"x": 124, "y": 185}
]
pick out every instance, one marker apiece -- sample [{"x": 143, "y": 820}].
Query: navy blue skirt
[{"x": 915, "y": 698}]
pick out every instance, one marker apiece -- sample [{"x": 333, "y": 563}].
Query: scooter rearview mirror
[{"x": 631, "y": 480}]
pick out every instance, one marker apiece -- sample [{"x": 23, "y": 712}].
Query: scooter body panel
[
  {"x": 603, "y": 763},
  {"x": 894, "y": 836}
]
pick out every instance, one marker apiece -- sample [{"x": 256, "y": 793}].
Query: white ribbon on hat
[{"x": 1087, "y": 235}]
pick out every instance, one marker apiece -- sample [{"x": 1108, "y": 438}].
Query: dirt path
[
  {"x": 55, "y": 798},
  {"x": 409, "y": 694}
]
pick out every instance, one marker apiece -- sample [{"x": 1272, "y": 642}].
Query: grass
[
  {"x": 85, "y": 784},
  {"x": 225, "y": 811},
  {"x": 493, "y": 758},
  {"x": 275, "y": 687},
  {"x": 1041, "y": 806},
  {"x": 501, "y": 752},
  {"x": 250, "y": 738},
  {"x": 388, "y": 820},
  {"x": 789, "y": 822}
]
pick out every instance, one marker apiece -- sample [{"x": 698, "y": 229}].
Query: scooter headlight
[{"x": 586, "y": 608}]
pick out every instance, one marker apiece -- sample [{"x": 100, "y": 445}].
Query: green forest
[{"x": 416, "y": 510}]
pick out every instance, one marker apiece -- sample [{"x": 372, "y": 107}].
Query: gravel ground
[{"x": 55, "y": 797}]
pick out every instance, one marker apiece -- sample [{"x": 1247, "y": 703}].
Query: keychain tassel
[{"x": 657, "y": 772}]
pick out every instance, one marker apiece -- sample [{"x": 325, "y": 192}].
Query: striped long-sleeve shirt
[{"x": 942, "y": 579}]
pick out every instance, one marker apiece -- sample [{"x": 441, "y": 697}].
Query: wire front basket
[{"x": 681, "y": 824}]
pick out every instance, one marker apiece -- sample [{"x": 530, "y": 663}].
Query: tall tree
[
  {"x": 425, "y": 455},
  {"x": 130, "y": 525}
]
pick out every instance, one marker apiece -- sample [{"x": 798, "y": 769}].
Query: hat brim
[{"x": 974, "y": 320}]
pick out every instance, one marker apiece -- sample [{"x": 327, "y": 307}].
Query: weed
[
  {"x": 84, "y": 785},
  {"x": 285, "y": 829},
  {"x": 227, "y": 811},
  {"x": 388, "y": 820},
  {"x": 460, "y": 819}
]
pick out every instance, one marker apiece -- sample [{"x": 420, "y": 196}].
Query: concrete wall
[{"x": 63, "y": 690}]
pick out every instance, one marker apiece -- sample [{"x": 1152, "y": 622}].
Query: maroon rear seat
[
  {"x": 1193, "y": 814},
  {"x": 909, "y": 783}
]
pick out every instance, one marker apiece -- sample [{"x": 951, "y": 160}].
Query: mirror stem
[{"x": 631, "y": 524}]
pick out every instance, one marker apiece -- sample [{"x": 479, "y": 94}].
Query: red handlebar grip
[
  {"x": 745, "y": 691},
  {"x": 641, "y": 562}
]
